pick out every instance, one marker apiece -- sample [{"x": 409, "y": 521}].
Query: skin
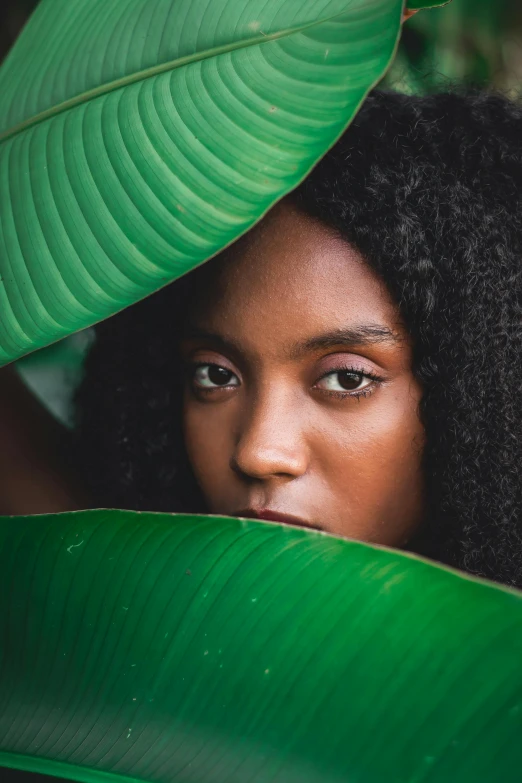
[
  {"x": 294, "y": 423},
  {"x": 34, "y": 476}
]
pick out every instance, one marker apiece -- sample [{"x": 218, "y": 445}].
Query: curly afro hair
[{"x": 429, "y": 189}]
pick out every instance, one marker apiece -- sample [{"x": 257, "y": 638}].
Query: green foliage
[
  {"x": 476, "y": 42},
  {"x": 128, "y": 159},
  {"x": 169, "y": 648},
  {"x": 416, "y": 5}
]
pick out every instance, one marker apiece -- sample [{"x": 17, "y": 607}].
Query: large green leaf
[
  {"x": 168, "y": 648},
  {"x": 140, "y": 137}
]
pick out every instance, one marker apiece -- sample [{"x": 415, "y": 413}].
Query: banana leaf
[
  {"x": 138, "y": 138},
  {"x": 154, "y": 647}
]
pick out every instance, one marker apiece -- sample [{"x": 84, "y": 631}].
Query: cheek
[
  {"x": 377, "y": 430},
  {"x": 208, "y": 434},
  {"x": 374, "y": 463}
]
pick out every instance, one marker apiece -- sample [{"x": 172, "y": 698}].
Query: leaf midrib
[{"x": 147, "y": 73}]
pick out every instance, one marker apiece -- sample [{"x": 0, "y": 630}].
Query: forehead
[{"x": 291, "y": 277}]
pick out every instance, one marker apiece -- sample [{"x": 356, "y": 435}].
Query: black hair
[{"x": 429, "y": 189}]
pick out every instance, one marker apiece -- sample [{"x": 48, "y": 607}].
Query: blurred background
[{"x": 475, "y": 42}]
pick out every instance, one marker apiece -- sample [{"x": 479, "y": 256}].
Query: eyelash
[{"x": 365, "y": 392}]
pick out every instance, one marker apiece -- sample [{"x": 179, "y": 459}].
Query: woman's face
[{"x": 300, "y": 402}]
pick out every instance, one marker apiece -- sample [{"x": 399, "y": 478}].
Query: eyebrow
[
  {"x": 355, "y": 337},
  {"x": 359, "y": 336}
]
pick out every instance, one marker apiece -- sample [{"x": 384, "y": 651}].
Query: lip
[{"x": 276, "y": 516}]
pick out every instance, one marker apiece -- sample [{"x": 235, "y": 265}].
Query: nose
[{"x": 271, "y": 440}]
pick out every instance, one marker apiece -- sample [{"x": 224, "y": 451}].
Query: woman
[{"x": 353, "y": 362}]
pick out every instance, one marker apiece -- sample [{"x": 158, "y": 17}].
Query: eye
[
  {"x": 344, "y": 381},
  {"x": 212, "y": 376}
]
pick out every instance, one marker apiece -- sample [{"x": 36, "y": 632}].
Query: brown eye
[
  {"x": 212, "y": 376},
  {"x": 349, "y": 380},
  {"x": 344, "y": 380}
]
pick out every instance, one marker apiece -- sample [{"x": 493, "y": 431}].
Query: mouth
[{"x": 276, "y": 516}]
